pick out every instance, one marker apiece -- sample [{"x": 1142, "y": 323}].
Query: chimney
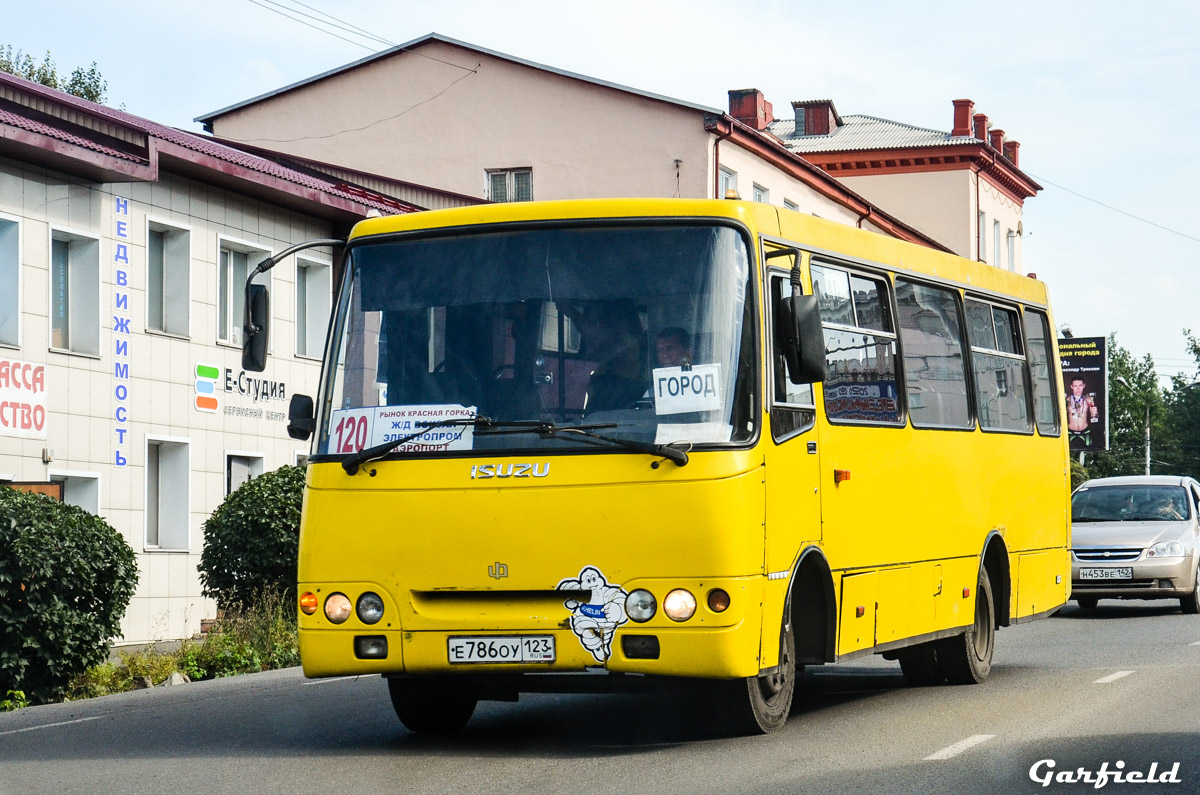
[
  {"x": 981, "y": 126},
  {"x": 1010, "y": 151},
  {"x": 962, "y": 117},
  {"x": 748, "y": 106},
  {"x": 997, "y": 139},
  {"x": 816, "y": 117}
]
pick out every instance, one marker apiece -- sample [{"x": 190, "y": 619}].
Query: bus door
[{"x": 792, "y": 461}]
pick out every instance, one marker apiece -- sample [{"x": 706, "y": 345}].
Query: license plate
[
  {"x": 1125, "y": 573},
  {"x": 502, "y": 649}
]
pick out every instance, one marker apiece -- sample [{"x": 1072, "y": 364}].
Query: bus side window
[
  {"x": 1045, "y": 398},
  {"x": 793, "y": 408},
  {"x": 934, "y": 363},
  {"x": 999, "y": 367},
  {"x": 860, "y": 345}
]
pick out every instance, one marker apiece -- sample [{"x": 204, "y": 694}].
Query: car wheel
[
  {"x": 1190, "y": 604},
  {"x": 967, "y": 659},
  {"x": 433, "y": 706},
  {"x": 1087, "y": 602},
  {"x": 760, "y": 704}
]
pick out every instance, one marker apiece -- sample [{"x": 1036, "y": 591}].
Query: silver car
[{"x": 1136, "y": 537}]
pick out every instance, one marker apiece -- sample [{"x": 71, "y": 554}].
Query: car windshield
[
  {"x": 638, "y": 330},
  {"x": 1129, "y": 504}
]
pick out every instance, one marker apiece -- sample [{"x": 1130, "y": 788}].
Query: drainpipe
[
  {"x": 864, "y": 216},
  {"x": 717, "y": 154}
]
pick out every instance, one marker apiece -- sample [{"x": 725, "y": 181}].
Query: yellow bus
[{"x": 617, "y": 444}]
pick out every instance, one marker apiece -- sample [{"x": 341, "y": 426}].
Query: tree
[
  {"x": 83, "y": 83},
  {"x": 1127, "y": 415},
  {"x": 1180, "y": 451}
]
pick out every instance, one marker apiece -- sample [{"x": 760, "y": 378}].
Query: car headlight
[
  {"x": 1166, "y": 549},
  {"x": 369, "y": 608},
  {"x": 679, "y": 605},
  {"x": 641, "y": 605}
]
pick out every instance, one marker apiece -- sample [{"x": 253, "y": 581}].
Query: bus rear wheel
[
  {"x": 967, "y": 659},
  {"x": 432, "y": 706},
  {"x": 919, "y": 665},
  {"x": 760, "y": 704}
]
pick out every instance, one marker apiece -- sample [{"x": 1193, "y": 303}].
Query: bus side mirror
[
  {"x": 799, "y": 338},
  {"x": 254, "y": 332},
  {"x": 300, "y": 417}
]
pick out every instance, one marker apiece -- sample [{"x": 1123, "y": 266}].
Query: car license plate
[
  {"x": 502, "y": 649},
  {"x": 1125, "y": 573}
]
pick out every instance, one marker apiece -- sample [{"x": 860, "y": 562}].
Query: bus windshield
[{"x": 640, "y": 332}]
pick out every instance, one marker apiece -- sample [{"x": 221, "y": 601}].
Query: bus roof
[{"x": 809, "y": 232}]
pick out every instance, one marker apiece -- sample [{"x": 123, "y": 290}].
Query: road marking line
[
  {"x": 1197, "y": 643},
  {"x": 49, "y": 725},
  {"x": 960, "y": 746},
  {"x": 1112, "y": 677},
  {"x": 327, "y": 681}
]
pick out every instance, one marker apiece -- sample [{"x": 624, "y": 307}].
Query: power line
[
  {"x": 1116, "y": 209},
  {"x": 337, "y": 23},
  {"x": 314, "y": 27}
]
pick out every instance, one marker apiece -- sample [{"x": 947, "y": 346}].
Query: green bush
[
  {"x": 251, "y": 540},
  {"x": 66, "y": 577}
]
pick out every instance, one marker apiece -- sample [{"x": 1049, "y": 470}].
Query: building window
[
  {"x": 1010, "y": 239},
  {"x": 726, "y": 182},
  {"x": 761, "y": 194},
  {"x": 982, "y": 235},
  {"x": 235, "y": 263},
  {"x": 788, "y": 204},
  {"x": 996, "y": 243},
  {"x": 167, "y": 494},
  {"x": 510, "y": 185},
  {"x": 81, "y": 489},
  {"x": 313, "y": 291},
  {"x": 240, "y": 467},
  {"x": 168, "y": 279},
  {"x": 74, "y": 293},
  {"x": 10, "y": 273}
]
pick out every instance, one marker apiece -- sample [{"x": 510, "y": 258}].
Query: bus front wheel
[
  {"x": 760, "y": 704},
  {"x": 433, "y": 706},
  {"x": 967, "y": 659}
]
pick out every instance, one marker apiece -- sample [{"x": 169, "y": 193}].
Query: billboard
[{"x": 1085, "y": 383}]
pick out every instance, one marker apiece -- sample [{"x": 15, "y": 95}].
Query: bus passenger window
[
  {"x": 998, "y": 363},
  {"x": 1045, "y": 399},
  {"x": 860, "y": 347},
  {"x": 934, "y": 364}
]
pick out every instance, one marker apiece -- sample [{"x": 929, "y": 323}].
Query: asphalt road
[{"x": 1119, "y": 685}]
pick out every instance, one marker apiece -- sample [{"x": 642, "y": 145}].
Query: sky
[{"x": 1102, "y": 97}]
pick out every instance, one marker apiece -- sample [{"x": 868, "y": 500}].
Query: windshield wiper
[
  {"x": 367, "y": 454},
  {"x": 486, "y": 425},
  {"x": 548, "y": 430}
]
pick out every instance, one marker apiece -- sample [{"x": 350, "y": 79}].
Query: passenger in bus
[
  {"x": 612, "y": 333},
  {"x": 673, "y": 348}
]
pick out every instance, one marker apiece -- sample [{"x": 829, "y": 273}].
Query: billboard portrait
[{"x": 1084, "y": 363}]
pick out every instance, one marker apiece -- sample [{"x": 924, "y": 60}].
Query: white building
[{"x": 124, "y": 248}]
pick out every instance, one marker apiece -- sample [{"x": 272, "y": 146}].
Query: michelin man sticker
[{"x": 595, "y": 622}]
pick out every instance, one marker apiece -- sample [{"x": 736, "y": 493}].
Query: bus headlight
[
  {"x": 679, "y": 605},
  {"x": 641, "y": 605},
  {"x": 337, "y": 608},
  {"x": 369, "y": 608}
]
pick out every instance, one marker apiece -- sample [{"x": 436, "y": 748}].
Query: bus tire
[
  {"x": 760, "y": 704},
  {"x": 966, "y": 659},
  {"x": 919, "y": 664},
  {"x": 431, "y": 706}
]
